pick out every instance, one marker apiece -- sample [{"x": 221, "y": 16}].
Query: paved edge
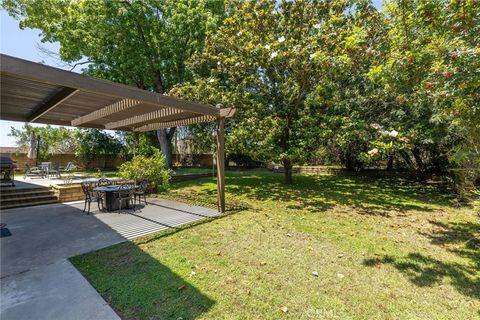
[{"x": 59, "y": 290}]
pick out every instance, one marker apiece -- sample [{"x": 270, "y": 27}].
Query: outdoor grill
[{"x": 7, "y": 168}]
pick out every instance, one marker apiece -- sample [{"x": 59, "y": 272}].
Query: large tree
[
  {"x": 265, "y": 60},
  {"x": 140, "y": 43}
]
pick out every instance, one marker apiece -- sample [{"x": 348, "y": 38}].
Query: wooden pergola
[{"x": 32, "y": 92}]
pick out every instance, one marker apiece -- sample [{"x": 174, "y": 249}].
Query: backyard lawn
[
  {"x": 114, "y": 173},
  {"x": 329, "y": 247}
]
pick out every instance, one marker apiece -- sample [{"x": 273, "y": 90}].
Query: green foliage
[
  {"x": 242, "y": 160},
  {"x": 263, "y": 61},
  {"x": 96, "y": 144},
  {"x": 147, "y": 143},
  {"x": 49, "y": 140},
  {"x": 366, "y": 87},
  {"x": 140, "y": 43},
  {"x": 153, "y": 168}
]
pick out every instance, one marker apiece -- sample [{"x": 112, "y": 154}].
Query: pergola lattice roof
[{"x": 32, "y": 92}]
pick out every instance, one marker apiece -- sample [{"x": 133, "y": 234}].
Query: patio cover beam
[
  {"x": 176, "y": 123},
  {"x": 51, "y": 103},
  {"x": 154, "y": 115},
  {"x": 105, "y": 111}
]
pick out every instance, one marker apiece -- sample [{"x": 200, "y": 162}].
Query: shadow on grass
[
  {"x": 464, "y": 238},
  {"x": 207, "y": 198},
  {"x": 138, "y": 286},
  {"x": 174, "y": 229},
  {"x": 317, "y": 193},
  {"x": 376, "y": 196}
]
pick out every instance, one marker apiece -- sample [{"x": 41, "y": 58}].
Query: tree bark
[
  {"x": 390, "y": 163},
  {"x": 407, "y": 159},
  {"x": 418, "y": 159},
  {"x": 287, "y": 165},
  {"x": 165, "y": 146}
]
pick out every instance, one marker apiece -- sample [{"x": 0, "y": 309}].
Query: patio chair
[
  {"x": 33, "y": 171},
  {"x": 139, "y": 192},
  {"x": 68, "y": 168},
  {"x": 45, "y": 167},
  {"x": 124, "y": 194},
  {"x": 53, "y": 170},
  {"x": 90, "y": 197},
  {"x": 102, "y": 182}
]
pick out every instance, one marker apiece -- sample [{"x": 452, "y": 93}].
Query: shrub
[
  {"x": 243, "y": 160},
  {"x": 152, "y": 168}
]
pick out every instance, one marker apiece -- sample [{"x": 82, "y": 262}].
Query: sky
[
  {"x": 22, "y": 44},
  {"x": 25, "y": 44}
]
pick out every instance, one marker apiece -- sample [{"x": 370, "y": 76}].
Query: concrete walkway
[{"x": 38, "y": 282}]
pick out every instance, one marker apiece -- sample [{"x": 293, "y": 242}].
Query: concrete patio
[
  {"x": 32, "y": 182},
  {"x": 38, "y": 282}
]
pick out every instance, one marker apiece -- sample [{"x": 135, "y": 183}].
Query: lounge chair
[
  {"x": 68, "y": 168},
  {"x": 33, "y": 172}
]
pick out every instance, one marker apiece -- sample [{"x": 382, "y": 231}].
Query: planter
[{"x": 68, "y": 192}]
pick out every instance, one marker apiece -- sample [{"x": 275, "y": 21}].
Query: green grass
[
  {"x": 383, "y": 249},
  {"x": 192, "y": 170}
]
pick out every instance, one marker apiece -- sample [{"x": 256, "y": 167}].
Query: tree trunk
[
  {"x": 390, "y": 163},
  {"x": 418, "y": 159},
  {"x": 164, "y": 141},
  {"x": 136, "y": 139},
  {"x": 407, "y": 159},
  {"x": 287, "y": 165}
]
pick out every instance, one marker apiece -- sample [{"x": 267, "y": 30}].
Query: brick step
[
  {"x": 28, "y": 204},
  {"x": 27, "y": 199},
  {"x": 4, "y": 191},
  {"x": 26, "y": 194}
]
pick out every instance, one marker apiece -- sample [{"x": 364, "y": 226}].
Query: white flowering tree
[{"x": 266, "y": 60}]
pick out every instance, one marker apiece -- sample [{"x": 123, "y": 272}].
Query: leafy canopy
[
  {"x": 140, "y": 43},
  {"x": 96, "y": 144},
  {"x": 263, "y": 59},
  {"x": 52, "y": 140}
]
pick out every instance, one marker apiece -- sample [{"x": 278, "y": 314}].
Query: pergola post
[{"x": 221, "y": 163}]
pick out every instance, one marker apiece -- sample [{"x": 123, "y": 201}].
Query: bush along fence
[{"x": 363, "y": 172}]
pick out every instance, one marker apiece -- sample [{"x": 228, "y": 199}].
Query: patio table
[{"x": 109, "y": 191}]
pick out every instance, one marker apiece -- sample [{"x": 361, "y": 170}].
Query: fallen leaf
[
  {"x": 340, "y": 275},
  {"x": 289, "y": 234},
  {"x": 248, "y": 291},
  {"x": 263, "y": 263},
  {"x": 284, "y": 309}
]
